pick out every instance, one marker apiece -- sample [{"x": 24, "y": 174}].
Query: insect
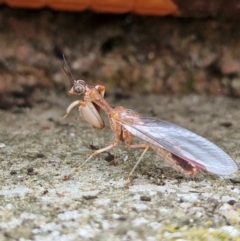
[{"x": 184, "y": 150}]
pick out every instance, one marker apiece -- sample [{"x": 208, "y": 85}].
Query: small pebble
[{"x": 2, "y": 145}]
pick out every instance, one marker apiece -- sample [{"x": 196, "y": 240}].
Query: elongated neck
[{"x": 103, "y": 104}]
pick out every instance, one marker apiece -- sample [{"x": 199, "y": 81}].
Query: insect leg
[
  {"x": 139, "y": 159},
  {"x": 95, "y": 153},
  {"x": 128, "y": 138},
  {"x": 71, "y": 106}
]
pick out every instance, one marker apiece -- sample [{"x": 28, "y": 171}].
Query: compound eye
[{"x": 78, "y": 89}]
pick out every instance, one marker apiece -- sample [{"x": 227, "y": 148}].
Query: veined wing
[{"x": 179, "y": 141}]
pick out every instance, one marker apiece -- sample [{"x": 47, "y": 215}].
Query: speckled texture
[{"x": 160, "y": 204}]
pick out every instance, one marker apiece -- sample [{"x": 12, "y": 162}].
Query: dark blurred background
[{"x": 125, "y": 52}]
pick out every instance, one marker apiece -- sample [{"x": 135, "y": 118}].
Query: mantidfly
[{"x": 184, "y": 150}]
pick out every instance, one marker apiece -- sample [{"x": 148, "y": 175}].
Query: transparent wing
[{"x": 179, "y": 141}]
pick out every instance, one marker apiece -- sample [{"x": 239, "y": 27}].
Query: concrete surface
[{"x": 38, "y": 147}]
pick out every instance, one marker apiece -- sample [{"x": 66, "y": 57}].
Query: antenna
[{"x": 67, "y": 71}]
